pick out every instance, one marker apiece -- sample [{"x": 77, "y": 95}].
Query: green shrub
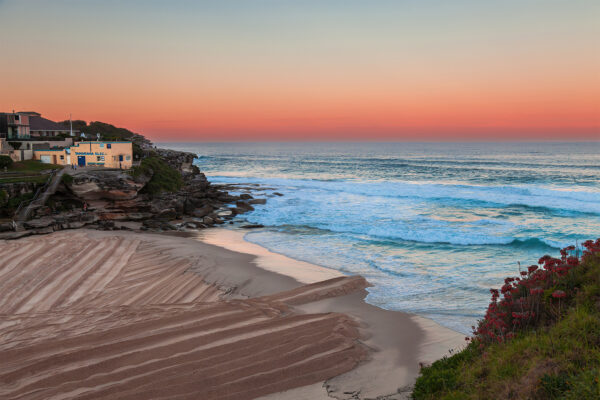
[
  {"x": 554, "y": 386},
  {"x": 554, "y": 358},
  {"x": 67, "y": 179},
  {"x": 15, "y": 145},
  {"x": 138, "y": 153},
  {"x": 5, "y": 161},
  {"x": 164, "y": 178}
]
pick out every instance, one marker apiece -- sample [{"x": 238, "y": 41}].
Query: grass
[
  {"x": 554, "y": 359},
  {"x": 27, "y": 171},
  {"x": 164, "y": 178},
  {"x": 67, "y": 179},
  {"x": 8, "y": 205},
  {"x": 32, "y": 166},
  {"x": 25, "y": 178}
]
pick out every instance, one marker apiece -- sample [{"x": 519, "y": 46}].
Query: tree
[{"x": 5, "y": 162}]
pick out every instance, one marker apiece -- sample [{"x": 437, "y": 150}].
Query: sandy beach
[{"x": 121, "y": 315}]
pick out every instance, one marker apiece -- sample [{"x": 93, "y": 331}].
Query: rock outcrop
[
  {"x": 107, "y": 185},
  {"x": 116, "y": 195}
]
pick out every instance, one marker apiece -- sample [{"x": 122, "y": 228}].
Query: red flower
[
  {"x": 532, "y": 268},
  {"x": 536, "y": 290},
  {"x": 559, "y": 294}
]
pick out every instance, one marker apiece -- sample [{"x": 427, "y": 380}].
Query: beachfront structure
[
  {"x": 95, "y": 154},
  {"x": 43, "y": 127},
  {"x": 14, "y": 125},
  {"x": 27, "y": 124}
]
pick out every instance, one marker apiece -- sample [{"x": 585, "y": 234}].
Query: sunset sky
[{"x": 308, "y": 69}]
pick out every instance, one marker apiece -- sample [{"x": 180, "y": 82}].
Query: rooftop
[{"x": 37, "y": 123}]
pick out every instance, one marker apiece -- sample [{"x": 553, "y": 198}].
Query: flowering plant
[{"x": 532, "y": 298}]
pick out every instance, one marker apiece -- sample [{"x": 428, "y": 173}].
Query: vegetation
[
  {"x": 66, "y": 179},
  {"x": 32, "y": 166},
  {"x": 541, "y": 340},
  {"x": 24, "y": 178},
  {"x": 27, "y": 171},
  {"x": 107, "y": 131},
  {"x": 164, "y": 178},
  {"x": 5, "y": 161},
  {"x": 15, "y": 145},
  {"x": 8, "y": 205}
]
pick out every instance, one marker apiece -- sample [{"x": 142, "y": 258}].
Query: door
[
  {"x": 81, "y": 161},
  {"x": 68, "y": 160},
  {"x": 45, "y": 159}
]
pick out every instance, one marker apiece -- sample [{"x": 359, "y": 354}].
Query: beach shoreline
[
  {"x": 147, "y": 278},
  {"x": 399, "y": 342}
]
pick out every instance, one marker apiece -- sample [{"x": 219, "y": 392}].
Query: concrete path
[{"x": 41, "y": 198}]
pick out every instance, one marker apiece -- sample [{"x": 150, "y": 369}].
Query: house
[
  {"x": 43, "y": 127},
  {"x": 14, "y": 125},
  {"x": 97, "y": 154}
]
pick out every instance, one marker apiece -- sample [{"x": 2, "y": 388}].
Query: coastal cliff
[{"x": 165, "y": 191}]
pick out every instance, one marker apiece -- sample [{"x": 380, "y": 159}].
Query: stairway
[{"x": 40, "y": 198}]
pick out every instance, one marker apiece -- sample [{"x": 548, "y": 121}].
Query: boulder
[
  {"x": 252, "y": 226},
  {"x": 6, "y": 227},
  {"x": 108, "y": 185},
  {"x": 244, "y": 206},
  {"x": 167, "y": 214},
  {"x": 258, "y": 201},
  {"x": 245, "y": 196},
  {"x": 203, "y": 211},
  {"x": 225, "y": 213},
  {"x": 39, "y": 223}
]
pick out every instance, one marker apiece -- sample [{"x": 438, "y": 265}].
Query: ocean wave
[
  {"x": 385, "y": 237},
  {"x": 507, "y": 196}
]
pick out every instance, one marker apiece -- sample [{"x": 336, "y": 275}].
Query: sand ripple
[{"x": 119, "y": 317}]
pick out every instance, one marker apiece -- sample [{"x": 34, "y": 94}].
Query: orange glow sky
[{"x": 305, "y": 70}]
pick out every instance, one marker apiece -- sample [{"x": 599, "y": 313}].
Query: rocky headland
[{"x": 166, "y": 193}]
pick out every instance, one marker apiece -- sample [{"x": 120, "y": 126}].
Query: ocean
[{"x": 433, "y": 226}]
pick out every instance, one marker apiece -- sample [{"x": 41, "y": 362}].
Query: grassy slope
[
  {"x": 164, "y": 178},
  {"x": 556, "y": 361},
  {"x": 32, "y": 166},
  {"x": 27, "y": 171}
]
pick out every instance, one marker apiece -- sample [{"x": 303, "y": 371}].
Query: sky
[{"x": 308, "y": 69}]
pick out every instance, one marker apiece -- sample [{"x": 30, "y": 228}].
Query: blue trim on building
[{"x": 49, "y": 150}]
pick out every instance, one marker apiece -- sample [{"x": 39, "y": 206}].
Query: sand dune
[{"x": 115, "y": 316}]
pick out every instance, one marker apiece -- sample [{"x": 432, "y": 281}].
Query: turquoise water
[{"x": 432, "y": 226}]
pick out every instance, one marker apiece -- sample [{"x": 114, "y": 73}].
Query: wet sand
[{"x": 123, "y": 315}]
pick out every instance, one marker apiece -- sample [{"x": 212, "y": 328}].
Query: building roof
[
  {"x": 42, "y": 124},
  {"x": 30, "y": 113}
]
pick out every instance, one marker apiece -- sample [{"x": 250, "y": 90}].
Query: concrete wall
[
  {"x": 28, "y": 144},
  {"x": 4, "y": 147},
  {"x": 96, "y": 154},
  {"x": 56, "y": 156},
  {"x": 21, "y": 155},
  {"x": 105, "y": 154}
]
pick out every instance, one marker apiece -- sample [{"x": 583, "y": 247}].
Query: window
[
  {"x": 108, "y": 145},
  {"x": 101, "y": 144},
  {"x": 62, "y": 157},
  {"x": 100, "y": 158},
  {"x": 17, "y": 117},
  {"x": 128, "y": 158}
]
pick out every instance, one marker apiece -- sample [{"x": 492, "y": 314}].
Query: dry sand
[{"x": 121, "y": 315}]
